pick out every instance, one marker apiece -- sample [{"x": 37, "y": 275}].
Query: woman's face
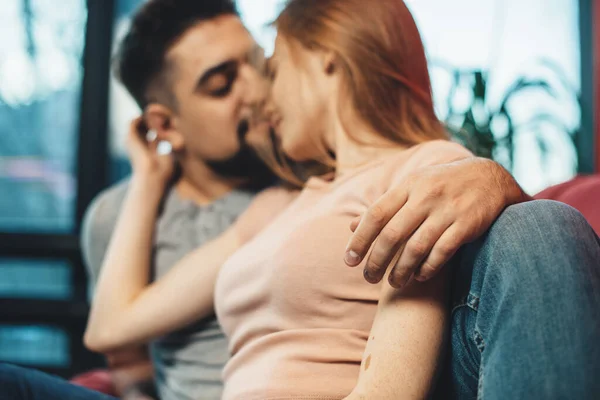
[{"x": 301, "y": 98}]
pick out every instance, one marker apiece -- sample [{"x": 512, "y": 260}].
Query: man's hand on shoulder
[{"x": 417, "y": 226}]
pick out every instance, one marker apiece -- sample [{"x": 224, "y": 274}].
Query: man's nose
[{"x": 255, "y": 88}]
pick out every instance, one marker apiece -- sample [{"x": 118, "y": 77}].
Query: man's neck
[{"x": 201, "y": 184}]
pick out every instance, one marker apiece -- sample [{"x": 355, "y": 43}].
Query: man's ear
[{"x": 160, "y": 119}]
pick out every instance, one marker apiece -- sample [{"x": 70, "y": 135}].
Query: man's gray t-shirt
[{"x": 188, "y": 363}]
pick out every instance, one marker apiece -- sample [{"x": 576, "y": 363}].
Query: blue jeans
[
  {"x": 27, "y": 384},
  {"x": 526, "y": 309},
  {"x": 525, "y": 321}
]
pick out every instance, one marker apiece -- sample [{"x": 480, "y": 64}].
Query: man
[
  {"x": 181, "y": 68},
  {"x": 191, "y": 78}
]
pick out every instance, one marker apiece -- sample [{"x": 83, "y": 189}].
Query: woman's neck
[
  {"x": 201, "y": 184},
  {"x": 351, "y": 154}
]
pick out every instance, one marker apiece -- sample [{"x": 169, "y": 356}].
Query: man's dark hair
[{"x": 141, "y": 64}]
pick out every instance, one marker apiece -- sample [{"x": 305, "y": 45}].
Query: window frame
[
  {"x": 595, "y": 83},
  {"x": 587, "y": 142}
]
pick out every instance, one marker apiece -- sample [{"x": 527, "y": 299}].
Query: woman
[
  {"x": 301, "y": 325},
  {"x": 298, "y": 320}
]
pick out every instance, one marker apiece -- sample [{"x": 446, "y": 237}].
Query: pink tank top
[{"x": 297, "y": 318}]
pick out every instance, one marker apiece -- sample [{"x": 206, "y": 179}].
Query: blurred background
[{"x": 515, "y": 80}]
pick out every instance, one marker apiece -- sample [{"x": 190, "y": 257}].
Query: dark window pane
[
  {"x": 41, "y": 47},
  {"x": 47, "y": 279},
  {"x": 34, "y": 345}
]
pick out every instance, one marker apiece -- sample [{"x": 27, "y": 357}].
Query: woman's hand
[{"x": 149, "y": 159}]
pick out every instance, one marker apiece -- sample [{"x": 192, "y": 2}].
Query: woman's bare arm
[
  {"x": 126, "y": 309},
  {"x": 406, "y": 342}
]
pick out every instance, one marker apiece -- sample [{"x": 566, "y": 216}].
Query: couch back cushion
[{"x": 582, "y": 193}]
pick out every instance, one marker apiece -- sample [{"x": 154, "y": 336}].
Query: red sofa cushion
[
  {"x": 581, "y": 193},
  {"x": 98, "y": 380}
]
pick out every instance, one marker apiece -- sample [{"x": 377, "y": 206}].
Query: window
[
  {"x": 53, "y": 64},
  {"x": 40, "y": 279},
  {"x": 508, "y": 40},
  {"x": 257, "y": 16},
  {"x": 41, "y": 48},
  {"x": 35, "y": 346}
]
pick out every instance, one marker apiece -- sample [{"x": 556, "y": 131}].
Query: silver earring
[
  {"x": 151, "y": 135},
  {"x": 164, "y": 148}
]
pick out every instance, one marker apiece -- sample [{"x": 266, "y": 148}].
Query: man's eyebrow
[{"x": 216, "y": 70}]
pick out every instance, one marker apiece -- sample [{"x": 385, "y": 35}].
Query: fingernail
[
  {"x": 368, "y": 277},
  {"x": 397, "y": 282},
  {"x": 421, "y": 278},
  {"x": 352, "y": 258}
]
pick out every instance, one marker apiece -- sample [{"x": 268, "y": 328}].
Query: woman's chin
[
  {"x": 294, "y": 147},
  {"x": 287, "y": 151},
  {"x": 291, "y": 151},
  {"x": 296, "y": 155}
]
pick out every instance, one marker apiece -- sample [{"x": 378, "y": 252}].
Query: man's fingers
[
  {"x": 136, "y": 137},
  {"x": 391, "y": 239},
  {"x": 443, "y": 250},
  {"x": 138, "y": 127},
  {"x": 372, "y": 222},
  {"x": 417, "y": 249}
]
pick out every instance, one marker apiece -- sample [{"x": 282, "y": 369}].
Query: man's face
[{"x": 216, "y": 81}]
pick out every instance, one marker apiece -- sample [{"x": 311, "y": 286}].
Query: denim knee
[
  {"x": 541, "y": 231},
  {"x": 542, "y": 244},
  {"x": 543, "y": 221}
]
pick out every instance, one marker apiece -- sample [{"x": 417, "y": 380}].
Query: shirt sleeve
[{"x": 98, "y": 225}]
